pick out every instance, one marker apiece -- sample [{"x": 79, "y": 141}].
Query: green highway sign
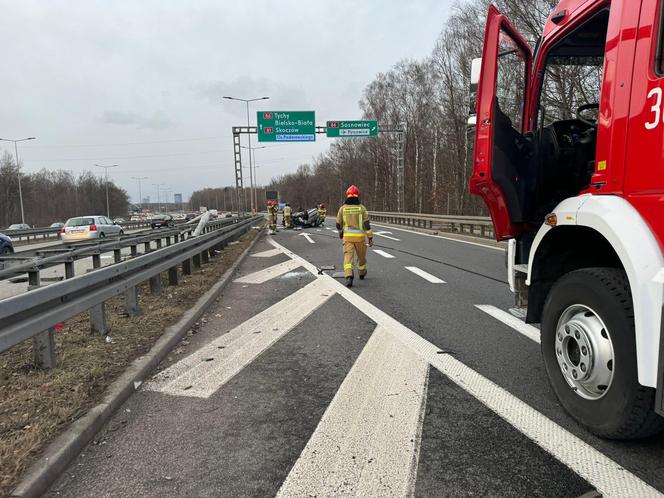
[
  {"x": 342, "y": 129},
  {"x": 286, "y": 126}
]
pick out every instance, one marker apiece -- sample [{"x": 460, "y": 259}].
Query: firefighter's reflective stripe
[{"x": 348, "y": 266}]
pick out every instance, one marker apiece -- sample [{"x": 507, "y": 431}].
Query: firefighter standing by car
[
  {"x": 353, "y": 226},
  {"x": 322, "y": 213},
  {"x": 272, "y": 216},
  {"x": 288, "y": 212}
]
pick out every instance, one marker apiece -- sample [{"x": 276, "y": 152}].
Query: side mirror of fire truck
[{"x": 475, "y": 68}]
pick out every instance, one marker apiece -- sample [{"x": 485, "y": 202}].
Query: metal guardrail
[
  {"x": 36, "y": 313},
  {"x": 479, "y": 226},
  {"x": 54, "y": 233},
  {"x": 38, "y": 259}
]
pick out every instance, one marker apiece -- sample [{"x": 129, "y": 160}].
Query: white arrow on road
[
  {"x": 382, "y": 234},
  {"x": 306, "y": 236}
]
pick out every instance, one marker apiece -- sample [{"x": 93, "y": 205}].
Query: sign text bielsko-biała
[{"x": 286, "y": 126}]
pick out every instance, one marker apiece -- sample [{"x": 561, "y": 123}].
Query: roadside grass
[{"x": 37, "y": 405}]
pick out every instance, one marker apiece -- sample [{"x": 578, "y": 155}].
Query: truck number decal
[{"x": 656, "y": 108}]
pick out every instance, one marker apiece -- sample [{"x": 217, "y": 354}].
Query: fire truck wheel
[{"x": 589, "y": 351}]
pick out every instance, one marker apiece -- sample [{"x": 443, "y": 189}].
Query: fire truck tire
[{"x": 589, "y": 350}]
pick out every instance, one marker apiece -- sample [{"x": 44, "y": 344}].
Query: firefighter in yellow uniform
[
  {"x": 353, "y": 226},
  {"x": 272, "y": 216},
  {"x": 322, "y": 213},
  {"x": 288, "y": 212}
]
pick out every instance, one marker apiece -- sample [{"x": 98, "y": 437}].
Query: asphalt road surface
[{"x": 414, "y": 382}]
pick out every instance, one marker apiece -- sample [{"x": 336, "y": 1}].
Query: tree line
[{"x": 54, "y": 195}]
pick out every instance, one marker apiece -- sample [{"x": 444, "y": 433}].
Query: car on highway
[
  {"x": 19, "y": 226},
  {"x": 89, "y": 227},
  {"x": 57, "y": 224},
  {"x": 6, "y": 245},
  {"x": 161, "y": 221},
  {"x": 119, "y": 220}
]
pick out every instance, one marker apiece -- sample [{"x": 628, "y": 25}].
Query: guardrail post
[
  {"x": 205, "y": 256},
  {"x": 98, "y": 319},
  {"x": 131, "y": 301},
  {"x": 96, "y": 260},
  {"x": 134, "y": 252},
  {"x": 186, "y": 267},
  {"x": 69, "y": 268},
  {"x": 43, "y": 344},
  {"x": 155, "y": 285},
  {"x": 197, "y": 260},
  {"x": 158, "y": 243},
  {"x": 117, "y": 255},
  {"x": 173, "y": 276},
  {"x": 146, "y": 247}
]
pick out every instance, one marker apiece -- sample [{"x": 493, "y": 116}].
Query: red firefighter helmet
[
  {"x": 322, "y": 206},
  {"x": 353, "y": 191}
]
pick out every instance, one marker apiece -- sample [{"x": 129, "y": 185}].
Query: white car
[{"x": 89, "y": 227}]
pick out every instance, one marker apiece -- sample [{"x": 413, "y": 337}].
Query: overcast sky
[{"x": 139, "y": 83}]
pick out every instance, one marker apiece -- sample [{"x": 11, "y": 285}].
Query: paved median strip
[
  {"x": 205, "y": 371},
  {"x": 367, "y": 440},
  {"x": 269, "y": 273},
  {"x": 426, "y": 276},
  {"x": 266, "y": 254}
]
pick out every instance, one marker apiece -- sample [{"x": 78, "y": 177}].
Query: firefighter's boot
[{"x": 349, "y": 281}]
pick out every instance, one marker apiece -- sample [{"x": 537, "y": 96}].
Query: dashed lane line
[
  {"x": 203, "y": 372},
  {"x": 383, "y": 253},
  {"x": 306, "y": 236},
  {"x": 486, "y": 246},
  {"x": 606, "y": 475},
  {"x": 375, "y": 422},
  {"x": 382, "y": 234},
  {"x": 269, "y": 273},
  {"x": 529, "y": 331},
  {"x": 426, "y": 276}
]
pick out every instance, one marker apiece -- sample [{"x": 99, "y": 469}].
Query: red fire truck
[{"x": 569, "y": 159}]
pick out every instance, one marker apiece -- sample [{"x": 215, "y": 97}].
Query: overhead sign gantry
[{"x": 300, "y": 126}]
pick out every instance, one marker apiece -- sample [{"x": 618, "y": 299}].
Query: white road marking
[
  {"x": 205, "y": 371},
  {"x": 383, "y": 253},
  {"x": 424, "y": 275},
  {"x": 266, "y": 274},
  {"x": 328, "y": 228},
  {"x": 375, "y": 421},
  {"x": 306, "y": 236},
  {"x": 382, "y": 234},
  {"x": 441, "y": 237},
  {"x": 606, "y": 475},
  {"x": 266, "y": 254},
  {"x": 529, "y": 331}
]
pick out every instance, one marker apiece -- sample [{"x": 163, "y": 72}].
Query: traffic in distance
[{"x": 453, "y": 300}]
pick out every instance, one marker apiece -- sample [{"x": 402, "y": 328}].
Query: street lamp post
[
  {"x": 158, "y": 198},
  {"x": 254, "y": 184},
  {"x": 18, "y": 171},
  {"x": 140, "y": 195},
  {"x": 106, "y": 168},
  {"x": 246, "y": 101}
]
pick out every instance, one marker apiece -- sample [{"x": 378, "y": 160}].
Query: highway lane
[{"x": 310, "y": 381}]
